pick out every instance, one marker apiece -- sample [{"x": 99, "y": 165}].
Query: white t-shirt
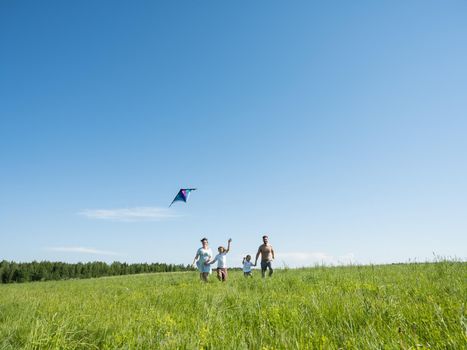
[
  {"x": 204, "y": 256},
  {"x": 221, "y": 260},
  {"x": 247, "y": 266}
]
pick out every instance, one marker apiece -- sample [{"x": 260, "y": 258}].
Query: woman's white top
[{"x": 204, "y": 256}]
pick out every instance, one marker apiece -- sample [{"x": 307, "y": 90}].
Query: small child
[
  {"x": 221, "y": 259},
  {"x": 247, "y": 264}
]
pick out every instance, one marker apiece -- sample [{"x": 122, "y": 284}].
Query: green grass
[{"x": 411, "y": 306}]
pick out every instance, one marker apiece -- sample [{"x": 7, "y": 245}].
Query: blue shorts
[
  {"x": 265, "y": 265},
  {"x": 203, "y": 268}
]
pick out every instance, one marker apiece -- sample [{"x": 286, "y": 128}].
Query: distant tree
[{"x": 12, "y": 272}]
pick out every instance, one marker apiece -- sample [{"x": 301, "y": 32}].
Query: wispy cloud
[
  {"x": 130, "y": 214},
  {"x": 311, "y": 258},
  {"x": 81, "y": 250}
]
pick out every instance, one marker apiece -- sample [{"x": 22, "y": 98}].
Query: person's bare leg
[{"x": 205, "y": 276}]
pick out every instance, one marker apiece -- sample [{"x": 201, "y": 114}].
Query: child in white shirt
[
  {"x": 221, "y": 259},
  {"x": 247, "y": 264}
]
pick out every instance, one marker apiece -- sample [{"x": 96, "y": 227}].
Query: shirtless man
[{"x": 267, "y": 256}]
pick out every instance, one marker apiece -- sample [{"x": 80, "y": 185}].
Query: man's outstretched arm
[{"x": 257, "y": 255}]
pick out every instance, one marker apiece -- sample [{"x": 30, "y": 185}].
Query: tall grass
[{"x": 412, "y": 306}]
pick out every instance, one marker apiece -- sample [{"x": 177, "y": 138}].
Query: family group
[{"x": 204, "y": 259}]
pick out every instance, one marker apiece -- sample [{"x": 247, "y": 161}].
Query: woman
[{"x": 203, "y": 255}]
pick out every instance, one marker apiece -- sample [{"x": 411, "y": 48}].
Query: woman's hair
[{"x": 221, "y": 247}]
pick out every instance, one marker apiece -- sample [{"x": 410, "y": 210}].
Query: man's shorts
[
  {"x": 265, "y": 265},
  {"x": 222, "y": 274}
]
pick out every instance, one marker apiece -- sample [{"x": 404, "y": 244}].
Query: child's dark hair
[{"x": 204, "y": 239}]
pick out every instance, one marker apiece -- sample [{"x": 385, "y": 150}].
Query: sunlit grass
[{"x": 412, "y": 306}]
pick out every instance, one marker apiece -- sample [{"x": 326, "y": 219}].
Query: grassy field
[{"x": 410, "y": 306}]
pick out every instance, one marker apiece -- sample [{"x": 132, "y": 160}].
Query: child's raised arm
[{"x": 228, "y": 245}]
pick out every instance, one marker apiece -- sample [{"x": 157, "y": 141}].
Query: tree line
[{"x": 11, "y": 272}]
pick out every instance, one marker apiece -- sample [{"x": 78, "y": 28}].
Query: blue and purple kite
[{"x": 182, "y": 195}]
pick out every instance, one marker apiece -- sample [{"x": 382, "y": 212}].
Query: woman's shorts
[{"x": 203, "y": 268}]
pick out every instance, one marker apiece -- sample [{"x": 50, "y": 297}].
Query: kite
[{"x": 182, "y": 195}]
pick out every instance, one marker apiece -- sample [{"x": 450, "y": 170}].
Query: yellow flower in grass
[{"x": 203, "y": 336}]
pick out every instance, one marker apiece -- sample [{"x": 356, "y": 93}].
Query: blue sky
[{"x": 336, "y": 127}]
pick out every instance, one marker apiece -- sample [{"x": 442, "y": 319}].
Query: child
[
  {"x": 247, "y": 264},
  {"x": 221, "y": 259}
]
